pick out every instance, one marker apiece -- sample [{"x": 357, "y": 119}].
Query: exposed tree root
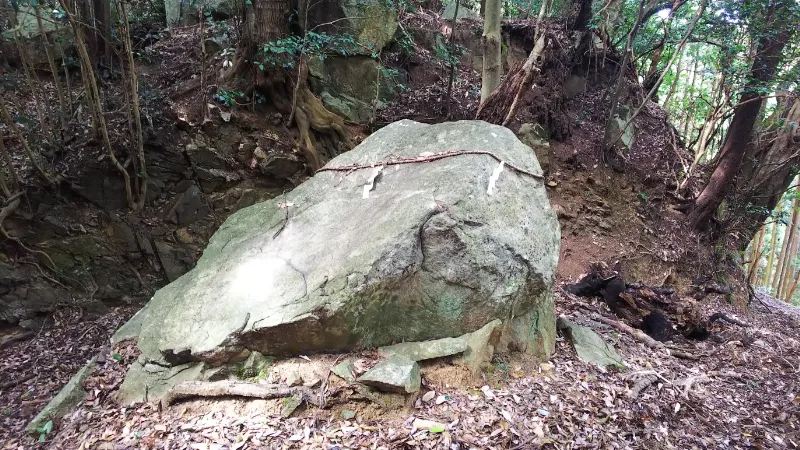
[
  {"x": 228, "y": 388},
  {"x": 305, "y": 109},
  {"x": 11, "y": 206},
  {"x": 424, "y": 159},
  {"x": 642, "y": 337}
]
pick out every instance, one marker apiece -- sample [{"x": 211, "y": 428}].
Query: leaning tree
[{"x": 270, "y": 59}]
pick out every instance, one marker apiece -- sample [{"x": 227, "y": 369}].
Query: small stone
[
  {"x": 182, "y": 234},
  {"x": 552, "y": 183},
  {"x": 419, "y": 351},
  {"x": 290, "y": 404},
  {"x": 345, "y": 370},
  {"x": 547, "y": 367},
  {"x": 428, "y": 396},
  {"x": 314, "y": 382},
  {"x": 293, "y": 379},
  {"x": 348, "y": 414},
  {"x": 441, "y": 399},
  {"x": 396, "y": 374}
]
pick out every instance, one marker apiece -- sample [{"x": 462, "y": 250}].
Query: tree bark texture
[
  {"x": 737, "y": 141},
  {"x": 492, "y": 41}
]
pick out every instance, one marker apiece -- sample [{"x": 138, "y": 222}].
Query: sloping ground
[{"x": 741, "y": 392}]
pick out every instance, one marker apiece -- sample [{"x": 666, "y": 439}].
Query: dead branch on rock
[
  {"x": 642, "y": 337},
  {"x": 229, "y": 388},
  {"x": 426, "y": 159}
]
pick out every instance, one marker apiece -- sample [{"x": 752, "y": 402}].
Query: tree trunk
[
  {"x": 737, "y": 141},
  {"x": 790, "y": 269},
  {"x": 776, "y": 279},
  {"x": 492, "y": 41},
  {"x": 756, "y": 258},
  {"x": 786, "y": 251},
  {"x": 773, "y": 245}
]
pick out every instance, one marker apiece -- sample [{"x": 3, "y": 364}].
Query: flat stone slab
[
  {"x": 396, "y": 374},
  {"x": 67, "y": 398},
  {"x": 420, "y": 351},
  {"x": 345, "y": 370},
  {"x": 589, "y": 346}
]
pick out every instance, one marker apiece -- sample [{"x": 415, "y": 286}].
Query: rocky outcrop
[{"x": 424, "y": 251}]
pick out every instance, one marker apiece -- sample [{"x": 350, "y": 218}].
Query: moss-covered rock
[{"x": 428, "y": 252}]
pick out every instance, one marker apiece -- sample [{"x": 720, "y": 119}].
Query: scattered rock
[
  {"x": 537, "y": 138},
  {"x": 428, "y": 396},
  {"x": 419, "y": 351},
  {"x": 175, "y": 261},
  {"x": 547, "y": 366},
  {"x": 345, "y": 370},
  {"x": 396, "y": 374},
  {"x": 253, "y": 366},
  {"x": 480, "y": 351},
  {"x": 67, "y": 398},
  {"x": 148, "y": 382},
  {"x": 290, "y": 405},
  {"x": 465, "y": 11},
  {"x": 589, "y": 346},
  {"x": 348, "y": 414},
  {"x": 293, "y": 379},
  {"x": 279, "y": 166},
  {"x": 189, "y": 207}
]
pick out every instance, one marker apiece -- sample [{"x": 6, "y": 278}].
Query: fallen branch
[
  {"x": 642, "y": 384},
  {"x": 228, "y": 388},
  {"x": 9, "y": 209},
  {"x": 730, "y": 319},
  {"x": 642, "y": 337},
  {"x": 17, "y": 382},
  {"x": 430, "y": 158},
  {"x": 16, "y": 337}
]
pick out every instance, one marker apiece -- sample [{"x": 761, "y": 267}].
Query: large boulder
[
  {"x": 371, "y": 23},
  {"x": 421, "y": 251}
]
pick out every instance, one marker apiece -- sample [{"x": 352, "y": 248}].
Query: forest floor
[{"x": 741, "y": 391}]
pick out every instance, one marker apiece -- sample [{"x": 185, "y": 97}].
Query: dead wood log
[
  {"x": 642, "y": 384},
  {"x": 6, "y": 341},
  {"x": 730, "y": 319},
  {"x": 642, "y": 337},
  {"x": 229, "y": 388}
]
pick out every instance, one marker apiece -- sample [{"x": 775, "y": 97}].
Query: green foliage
[
  {"x": 44, "y": 430},
  {"x": 228, "y": 98},
  {"x": 285, "y": 52},
  {"x": 448, "y": 55}
]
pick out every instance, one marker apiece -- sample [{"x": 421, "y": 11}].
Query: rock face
[{"x": 426, "y": 253}]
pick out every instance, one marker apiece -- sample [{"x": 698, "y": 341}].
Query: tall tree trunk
[
  {"x": 786, "y": 250},
  {"x": 757, "y": 253},
  {"x": 674, "y": 85},
  {"x": 737, "y": 141},
  {"x": 776, "y": 279},
  {"x": 492, "y": 42},
  {"x": 686, "y": 115},
  {"x": 773, "y": 245},
  {"x": 790, "y": 269}
]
